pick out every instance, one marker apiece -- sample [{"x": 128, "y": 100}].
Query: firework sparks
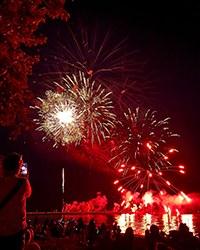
[
  {"x": 59, "y": 119},
  {"x": 103, "y": 58},
  {"x": 143, "y": 153},
  {"x": 79, "y": 109},
  {"x": 95, "y": 105}
]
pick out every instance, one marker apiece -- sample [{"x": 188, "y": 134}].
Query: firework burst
[
  {"x": 59, "y": 119},
  {"x": 95, "y": 105},
  {"x": 142, "y": 154},
  {"x": 79, "y": 109}
]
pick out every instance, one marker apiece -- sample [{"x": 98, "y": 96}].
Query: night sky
[{"x": 167, "y": 38}]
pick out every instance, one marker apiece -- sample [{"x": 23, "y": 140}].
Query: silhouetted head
[
  {"x": 129, "y": 233},
  {"x": 92, "y": 222},
  {"x": 80, "y": 219},
  {"x": 154, "y": 230},
  {"x": 108, "y": 234},
  {"x": 118, "y": 229},
  {"x": 13, "y": 163},
  {"x": 182, "y": 227},
  {"x": 103, "y": 224}
]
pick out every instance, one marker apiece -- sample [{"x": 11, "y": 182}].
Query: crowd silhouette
[{"x": 105, "y": 238}]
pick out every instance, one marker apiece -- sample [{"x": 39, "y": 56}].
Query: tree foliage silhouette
[{"x": 19, "y": 21}]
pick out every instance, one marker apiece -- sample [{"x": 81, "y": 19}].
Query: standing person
[
  {"x": 153, "y": 237},
  {"x": 14, "y": 189}
]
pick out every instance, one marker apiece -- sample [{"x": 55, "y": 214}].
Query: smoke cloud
[{"x": 149, "y": 202}]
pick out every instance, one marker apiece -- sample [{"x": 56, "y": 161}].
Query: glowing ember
[
  {"x": 181, "y": 198},
  {"x": 122, "y": 203},
  {"x": 177, "y": 212},
  {"x": 147, "y": 198},
  {"x": 166, "y": 208},
  {"x": 149, "y": 146},
  {"x": 150, "y": 175},
  {"x": 186, "y": 197}
]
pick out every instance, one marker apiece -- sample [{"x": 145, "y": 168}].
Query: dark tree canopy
[{"x": 19, "y": 20}]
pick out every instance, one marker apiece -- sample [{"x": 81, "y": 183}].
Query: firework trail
[
  {"x": 141, "y": 154},
  {"x": 102, "y": 58},
  {"x": 80, "y": 109}
]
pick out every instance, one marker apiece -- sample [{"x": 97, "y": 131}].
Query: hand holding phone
[
  {"x": 24, "y": 169},
  {"x": 24, "y": 172}
]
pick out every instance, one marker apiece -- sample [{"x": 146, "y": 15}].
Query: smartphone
[{"x": 24, "y": 169}]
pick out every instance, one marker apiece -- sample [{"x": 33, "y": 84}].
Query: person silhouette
[
  {"x": 14, "y": 191},
  {"x": 153, "y": 237}
]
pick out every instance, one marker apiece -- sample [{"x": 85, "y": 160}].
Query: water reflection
[
  {"x": 165, "y": 222},
  {"x": 125, "y": 220},
  {"x": 138, "y": 222},
  {"x": 188, "y": 220},
  {"x": 170, "y": 223}
]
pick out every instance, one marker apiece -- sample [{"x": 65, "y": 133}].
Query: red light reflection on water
[{"x": 165, "y": 222}]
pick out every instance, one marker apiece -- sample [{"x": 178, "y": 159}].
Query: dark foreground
[
  {"x": 60, "y": 243},
  {"x": 53, "y": 235}
]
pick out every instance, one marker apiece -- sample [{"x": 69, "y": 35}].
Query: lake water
[{"x": 138, "y": 222}]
